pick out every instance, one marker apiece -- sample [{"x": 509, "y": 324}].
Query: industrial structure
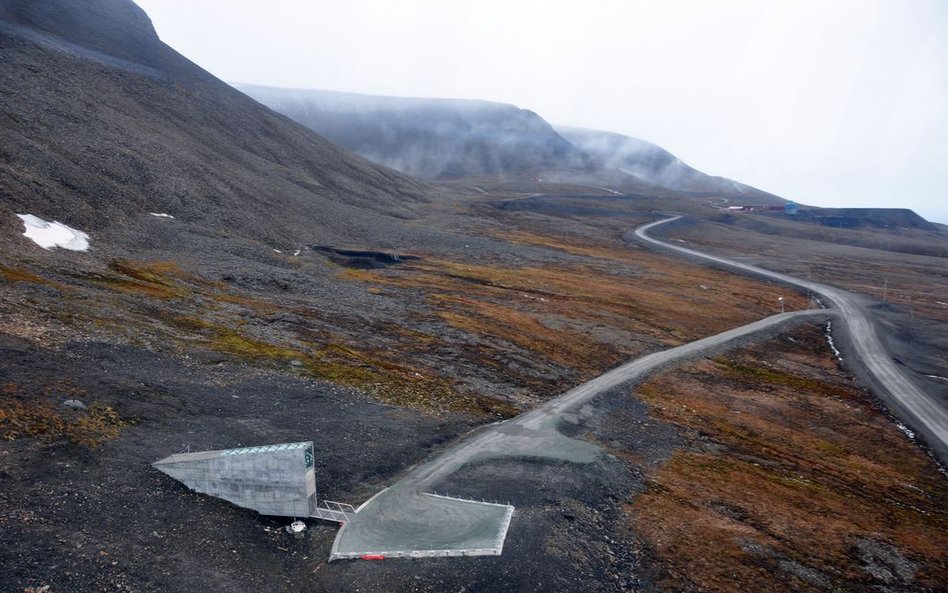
[
  {"x": 272, "y": 479},
  {"x": 398, "y": 522}
]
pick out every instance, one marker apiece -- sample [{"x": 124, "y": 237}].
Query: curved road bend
[
  {"x": 404, "y": 519},
  {"x": 923, "y": 412}
]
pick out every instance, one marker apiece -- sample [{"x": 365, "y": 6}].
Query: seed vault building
[{"x": 272, "y": 480}]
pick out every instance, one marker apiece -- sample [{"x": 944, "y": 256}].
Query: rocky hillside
[
  {"x": 880, "y": 218},
  {"x": 103, "y": 123},
  {"x": 654, "y": 164},
  {"x": 429, "y": 138},
  {"x": 450, "y": 138}
]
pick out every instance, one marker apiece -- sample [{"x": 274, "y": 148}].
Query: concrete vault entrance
[{"x": 275, "y": 480}]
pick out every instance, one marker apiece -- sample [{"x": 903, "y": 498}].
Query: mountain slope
[
  {"x": 448, "y": 138},
  {"x": 654, "y": 164},
  {"x": 429, "y": 138},
  {"x": 103, "y": 123}
]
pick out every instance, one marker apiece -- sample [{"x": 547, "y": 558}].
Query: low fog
[
  {"x": 833, "y": 104},
  {"x": 428, "y": 138}
]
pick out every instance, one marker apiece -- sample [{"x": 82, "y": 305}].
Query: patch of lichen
[
  {"x": 526, "y": 329},
  {"x": 28, "y": 415},
  {"x": 152, "y": 279},
  {"x": 762, "y": 374},
  {"x": 386, "y": 380},
  {"x": 19, "y": 274}
]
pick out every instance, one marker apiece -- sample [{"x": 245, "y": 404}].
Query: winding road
[
  {"x": 914, "y": 407},
  {"x": 407, "y": 520}
]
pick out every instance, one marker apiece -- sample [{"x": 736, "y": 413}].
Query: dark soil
[
  {"x": 104, "y": 520},
  {"x": 205, "y": 332},
  {"x": 362, "y": 258},
  {"x": 568, "y": 532}
]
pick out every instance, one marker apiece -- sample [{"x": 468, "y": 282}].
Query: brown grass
[
  {"x": 15, "y": 274},
  {"x": 525, "y": 329},
  {"x": 582, "y": 319},
  {"x": 806, "y": 466},
  {"x": 387, "y": 380},
  {"x": 153, "y": 279},
  {"x": 35, "y": 415},
  {"x": 215, "y": 316}
]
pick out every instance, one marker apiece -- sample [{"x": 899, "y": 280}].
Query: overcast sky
[{"x": 828, "y": 102}]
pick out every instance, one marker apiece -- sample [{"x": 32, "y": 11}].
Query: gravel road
[
  {"x": 404, "y": 520},
  {"x": 915, "y": 408}
]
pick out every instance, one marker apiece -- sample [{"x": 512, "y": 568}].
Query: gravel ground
[{"x": 104, "y": 520}]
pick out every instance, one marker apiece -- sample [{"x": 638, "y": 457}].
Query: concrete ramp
[
  {"x": 272, "y": 479},
  {"x": 399, "y": 523}
]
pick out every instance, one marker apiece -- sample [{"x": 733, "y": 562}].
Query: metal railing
[{"x": 331, "y": 510}]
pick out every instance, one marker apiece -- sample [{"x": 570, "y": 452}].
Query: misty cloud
[{"x": 841, "y": 103}]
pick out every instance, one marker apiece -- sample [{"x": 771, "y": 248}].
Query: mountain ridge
[
  {"x": 428, "y": 138},
  {"x": 438, "y": 138},
  {"x": 652, "y": 163}
]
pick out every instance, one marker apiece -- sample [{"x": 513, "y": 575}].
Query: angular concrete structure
[{"x": 272, "y": 480}]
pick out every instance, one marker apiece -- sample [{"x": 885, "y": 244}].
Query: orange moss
[
  {"x": 799, "y": 460},
  {"x": 34, "y": 416},
  {"x": 581, "y": 318},
  {"x": 525, "y": 329},
  {"x": 13, "y": 274}
]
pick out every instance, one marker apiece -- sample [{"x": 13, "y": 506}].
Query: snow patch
[
  {"x": 161, "y": 215},
  {"x": 938, "y": 377},
  {"x": 908, "y": 432},
  {"x": 53, "y": 234},
  {"x": 829, "y": 340}
]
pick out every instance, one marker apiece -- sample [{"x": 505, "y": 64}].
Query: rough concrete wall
[{"x": 271, "y": 482}]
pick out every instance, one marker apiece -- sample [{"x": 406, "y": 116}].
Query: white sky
[{"x": 828, "y": 102}]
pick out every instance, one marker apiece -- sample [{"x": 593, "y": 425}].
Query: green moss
[
  {"x": 30, "y": 415},
  {"x": 761, "y": 375},
  {"x": 385, "y": 380},
  {"x": 228, "y": 341}
]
